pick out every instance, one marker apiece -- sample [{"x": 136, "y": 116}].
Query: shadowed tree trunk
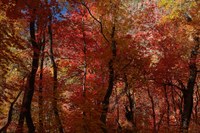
[
  {"x": 153, "y": 111},
  {"x": 40, "y": 97},
  {"x": 119, "y": 128},
  {"x": 105, "y": 103},
  {"x": 130, "y": 107},
  {"x": 168, "y": 107},
  {"x": 29, "y": 90},
  {"x": 188, "y": 92},
  {"x": 174, "y": 104},
  {"x": 55, "y": 83},
  {"x": 85, "y": 125},
  {"x": 196, "y": 105}
]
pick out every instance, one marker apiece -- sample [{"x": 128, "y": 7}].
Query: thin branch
[
  {"x": 174, "y": 85},
  {"x": 100, "y": 23},
  {"x": 4, "y": 128},
  {"x": 160, "y": 121},
  {"x": 181, "y": 84},
  {"x": 9, "y": 119}
]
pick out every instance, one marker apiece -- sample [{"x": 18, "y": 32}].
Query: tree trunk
[
  {"x": 40, "y": 97},
  {"x": 168, "y": 107},
  {"x": 119, "y": 128},
  {"x": 196, "y": 106},
  {"x": 129, "y": 108},
  {"x": 55, "y": 83},
  {"x": 188, "y": 93},
  {"x": 174, "y": 104},
  {"x": 105, "y": 102},
  {"x": 153, "y": 111},
  {"x": 85, "y": 126},
  {"x": 29, "y": 90}
]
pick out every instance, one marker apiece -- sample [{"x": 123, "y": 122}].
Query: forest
[{"x": 99, "y": 66}]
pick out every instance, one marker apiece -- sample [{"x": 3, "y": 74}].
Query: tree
[{"x": 105, "y": 66}]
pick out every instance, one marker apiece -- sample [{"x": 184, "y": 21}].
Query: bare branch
[
  {"x": 160, "y": 121},
  {"x": 174, "y": 85}
]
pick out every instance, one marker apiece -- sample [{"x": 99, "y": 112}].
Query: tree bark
[
  {"x": 105, "y": 102},
  {"x": 196, "y": 106},
  {"x": 119, "y": 128},
  {"x": 188, "y": 93},
  {"x": 153, "y": 111},
  {"x": 55, "y": 83},
  {"x": 129, "y": 108},
  {"x": 84, "y": 89},
  {"x": 29, "y": 91},
  {"x": 168, "y": 107},
  {"x": 40, "y": 97}
]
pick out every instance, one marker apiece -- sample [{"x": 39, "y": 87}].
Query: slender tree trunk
[
  {"x": 180, "y": 102},
  {"x": 55, "y": 85},
  {"x": 188, "y": 93},
  {"x": 105, "y": 103},
  {"x": 119, "y": 128},
  {"x": 174, "y": 104},
  {"x": 153, "y": 111},
  {"x": 168, "y": 107},
  {"x": 40, "y": 97},
  {"x": 84, "y": 60},
  {"x": 129, "y": 108},
  {"x": 196, "y": 106},
  {"x": 29, "y": 91},
  {"x": 84, "y": 76}
]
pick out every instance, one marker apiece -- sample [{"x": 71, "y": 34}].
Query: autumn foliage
[{"x": 103, "y": 66}]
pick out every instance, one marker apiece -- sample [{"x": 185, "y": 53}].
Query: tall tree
[
  {"x": 28, "y": 95},
  {"x": 55, "y": 75}
]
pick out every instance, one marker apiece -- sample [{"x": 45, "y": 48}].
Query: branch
[
  {"x": 4, "y": 128},
  {"x": 100, "y": 23},
  {"x": 180, "y": 96},
  {"x": 160, "y": 121},
  {"x": 181, "y": 84},
  {"x": 171, "y": 84},
  {"x": 188, "y": 17}
]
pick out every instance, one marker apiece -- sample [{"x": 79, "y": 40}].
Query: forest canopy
[{"x": 103, "y": 66}]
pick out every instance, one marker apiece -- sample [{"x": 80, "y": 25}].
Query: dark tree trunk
[
  {"x": 129, "y": 109},
  {"x": 187, "y": 109},
  {"x": 188, "y": 93},
  {"x": 196, "y": 106},
  {"x": 55, "y": 83},
  {"x": 168, "y": 107},
  {"x": 105, "y": 102},
  {"x": 174, "y": 104},
  {"x": 40, "y": 97},
  {"x": 29, "y": 91},
  {"x": 153, "y": 111},
  {"x": 119, "y": 128}
]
